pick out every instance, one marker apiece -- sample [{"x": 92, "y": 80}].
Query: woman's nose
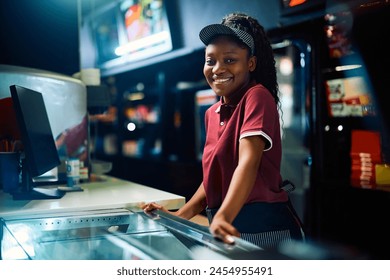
[{"x": 218, "y": 68}]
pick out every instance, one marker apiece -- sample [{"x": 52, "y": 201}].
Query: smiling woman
[{"x": 241, "y": 188}]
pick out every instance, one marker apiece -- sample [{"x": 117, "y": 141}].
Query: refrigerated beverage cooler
[{"x": 332, "y": 74}]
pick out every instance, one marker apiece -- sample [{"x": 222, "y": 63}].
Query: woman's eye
[{"x": 210, "y": 62}]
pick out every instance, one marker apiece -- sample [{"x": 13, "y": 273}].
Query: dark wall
[{"x": 40, "y": 34}]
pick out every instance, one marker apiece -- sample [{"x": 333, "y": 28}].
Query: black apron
[{"x": 266, "y": 225}]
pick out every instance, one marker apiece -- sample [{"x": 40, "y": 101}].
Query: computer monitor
[{"x": 39, "y": 148}]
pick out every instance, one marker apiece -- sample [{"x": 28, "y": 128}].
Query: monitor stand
[{"x": 28, "y": 190}]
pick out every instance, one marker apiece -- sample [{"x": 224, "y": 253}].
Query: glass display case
[{"x": 113, "y": 235}]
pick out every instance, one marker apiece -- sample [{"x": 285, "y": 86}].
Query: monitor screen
[{"x": 39, "y": 148}]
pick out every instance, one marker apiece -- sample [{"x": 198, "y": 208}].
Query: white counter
[{"x": 106, "y": 194}]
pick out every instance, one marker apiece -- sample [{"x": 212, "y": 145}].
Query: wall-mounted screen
[
  {"x": 122, "y": 32},
  {"x": 289, "y": 7}
]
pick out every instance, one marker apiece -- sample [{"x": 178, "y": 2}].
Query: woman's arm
[
  {"x": 250, "y": 154},
  {"x": 194, "y": 206}
]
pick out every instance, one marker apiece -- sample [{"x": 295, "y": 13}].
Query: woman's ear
[{"x": 252, "y": 63}]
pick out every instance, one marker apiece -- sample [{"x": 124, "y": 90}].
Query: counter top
[{"x": 105, "y": 194}]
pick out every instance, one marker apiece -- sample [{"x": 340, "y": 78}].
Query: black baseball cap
[{"x": 211, "y": 31}]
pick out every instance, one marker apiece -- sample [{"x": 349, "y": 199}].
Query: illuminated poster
[{"x": 348, "y": 97}]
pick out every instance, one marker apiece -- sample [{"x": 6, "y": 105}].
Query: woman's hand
[
  {"x": 148, "y": 207},
  {"x": 223, "y": 230}
]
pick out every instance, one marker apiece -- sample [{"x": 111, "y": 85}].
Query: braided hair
[{"x": 265, "y": 72}]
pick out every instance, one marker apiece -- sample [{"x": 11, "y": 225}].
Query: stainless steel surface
[
  {"x": 200, "y": 234},
  {"x": 115, "y": 234}
]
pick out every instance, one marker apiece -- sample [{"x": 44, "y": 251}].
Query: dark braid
[{"x": 265, "y": 72}]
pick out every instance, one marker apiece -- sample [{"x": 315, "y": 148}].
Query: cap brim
[{"x": 209, "y": 32}]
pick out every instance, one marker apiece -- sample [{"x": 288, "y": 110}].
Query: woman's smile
[{"x": 221, "y": 81}]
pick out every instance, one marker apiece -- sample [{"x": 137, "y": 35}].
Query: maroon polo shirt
[{"x": 251, "y": 112}]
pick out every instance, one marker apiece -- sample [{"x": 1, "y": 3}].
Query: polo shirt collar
[{"x": 235, "y": 99}]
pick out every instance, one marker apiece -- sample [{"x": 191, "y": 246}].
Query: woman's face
[{"x": 227, "y": 67}]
